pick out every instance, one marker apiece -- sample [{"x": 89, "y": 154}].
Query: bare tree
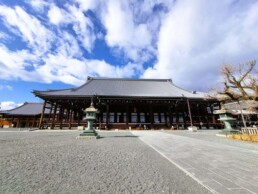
[{"x": 240, "y": 82}]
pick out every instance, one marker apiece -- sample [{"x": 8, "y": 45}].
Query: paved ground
[
  {"x": 56, "y": 162},
  {"x": 222, "y": 165}
]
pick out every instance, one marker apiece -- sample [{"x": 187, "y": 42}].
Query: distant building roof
[
  {"x": 120, "y": 87},
  {"x": 28, "y": 109}
]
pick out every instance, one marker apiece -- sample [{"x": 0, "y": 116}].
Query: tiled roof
[
  {"x": 28, "y": 109},
  {"x": 160, "y": 88}
]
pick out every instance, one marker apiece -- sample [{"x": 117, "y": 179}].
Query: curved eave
[{"x": 45, "y": 96}]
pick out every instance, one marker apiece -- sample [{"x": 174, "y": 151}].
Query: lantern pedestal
[{"x": 92, "y": 133}]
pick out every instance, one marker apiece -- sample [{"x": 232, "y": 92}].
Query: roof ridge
[
  {"x": 129, "y": 79},
  {"x": 190, "y": 91},
  {"x": 34, "y": 102},
  {"x": 86, "y": 83},
  {"x": 18, "y": 106}
]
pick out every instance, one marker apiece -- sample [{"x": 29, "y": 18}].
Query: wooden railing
[{"x": 249, "y": 130}]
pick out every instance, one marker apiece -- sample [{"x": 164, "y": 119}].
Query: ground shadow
[{"x": 115, "y": 136}]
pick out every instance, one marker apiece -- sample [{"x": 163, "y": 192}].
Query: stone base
[
  {"x": 193, "y": 128},
  {"x": 88, "y": 134},
  {"x": 228, "y": 131},
  {"x": 87, "y": 137}
]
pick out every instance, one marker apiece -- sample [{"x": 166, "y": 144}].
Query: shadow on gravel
[{"x": 114, "y": 136}]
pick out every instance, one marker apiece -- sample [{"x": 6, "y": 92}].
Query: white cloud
[
  {"x": 86, "y": 5},
  {"x": 125, "y": 32},
  {"x": 55, "y": 15},
  {"x": 59, "y": 68},
  {"x": 189, "y": 39},
  {"x": 83, "y": 27},
  {"x": 68, "y": 45},
  {"x": 12, "y": 64},
  {"x": 8, "y": 105},
  {"x": 38, "y": 5},
  {"x": 197, "y": 37},
  {"x": 28, "y": 27}
]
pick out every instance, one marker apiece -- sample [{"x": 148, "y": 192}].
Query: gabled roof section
[
  {"x": 27, "y": 109},
  {"x": 120, "y": 87}
]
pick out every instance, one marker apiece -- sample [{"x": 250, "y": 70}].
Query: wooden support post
[
  {"x": 70, "y": 119},
  {"x": 61, "y": 112},
  {"x": 138, "y": 116},
  {"x": 79, "y": 118},
  {"x": 42, "y": 115},
  {"x": 170, "y": 119},
  {"x": 18, "y": 123},
  {"x": 189, "y": 110},
  {"x": 115, "y": 117},
  {"x": 159, "y": 117},
  {"x": 50, "y": 112},
  {"x": 100, "y": 119},
  {"x": 127, "y": 116},
  {"x": 53, "y": 118},
  {"x": 33, "y": 122},
  {"x": 151, "y": 115},
  {"x": 107, "y": 116},
  {"x": 165, "y": 117}
]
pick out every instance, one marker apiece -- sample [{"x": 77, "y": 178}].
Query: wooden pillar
[
  {"x": 18, "y": 123},
  {"x": 42, "y": 114},
  {"x": 177, "y": 115},
  {"x": 169, "y": 117},
  {"x": 53, "y": 118},
  {"x": 78, "y": 118},
  {"x": 107, "y": 116},
  {"x": 61, "y": 112},
  {"x": 33, "y": 122},
  {"x": 207, "y": 116},
  {"x": 151, "y": 115},
  {"x": 115, "y": 117},
  {"x": 159, "y": 117},
  {"x": 70, "y": 119},
  {"x": 100, "y": 119},
  {"x": 165, "y": 117},
  {"x": 189, "y": 111},
  {"x": 198, "y": 111},
  {"x": 184, "y": 120},
  {"x": 27, "y": 122},
  {"x": 50, "y": 112},
  {"x": 127, "y": 115},
  {"x": 138, "y": 116},
  {"x": 66, "y": 112}
]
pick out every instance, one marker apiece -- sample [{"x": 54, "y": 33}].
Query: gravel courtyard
[{"x": 57, "y": 162}]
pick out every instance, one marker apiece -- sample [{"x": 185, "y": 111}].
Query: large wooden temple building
[
  {"x": 127, "y": 104},
  {"x": 25, "y": 116}
]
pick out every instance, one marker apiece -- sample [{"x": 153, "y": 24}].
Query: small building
[
  {"x": 128, "y": 103},
  {"x": 25, "y": 116}
]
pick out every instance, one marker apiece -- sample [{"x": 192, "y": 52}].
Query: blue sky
[{"x": 56, "y": 44}]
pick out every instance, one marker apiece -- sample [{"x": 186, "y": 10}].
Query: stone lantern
[
  {"x": 225, "y": 116},
  {"x": 90, "y": 118}
]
